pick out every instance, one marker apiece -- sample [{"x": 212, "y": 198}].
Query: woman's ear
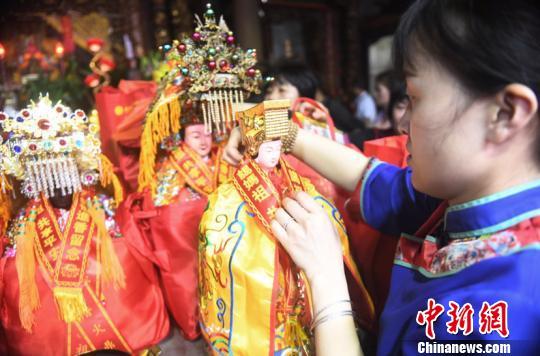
[{"x": 515, "y": 107}]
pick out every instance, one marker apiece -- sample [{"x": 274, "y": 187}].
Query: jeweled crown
[
  {"x": 50, "y": 147},
  {"x": 267, "y": 121}
]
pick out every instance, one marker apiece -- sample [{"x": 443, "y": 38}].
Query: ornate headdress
[
  {"x": 208, "y": 82},
  {"x": 49, "y": 147},
  {"x": 264, "y": 122}
]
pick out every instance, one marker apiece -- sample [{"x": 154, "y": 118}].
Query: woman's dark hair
[
  {"x": 397, "y": 95},
  {"x": 486, "y": 44},
  {"x": 299, "y": 75}
]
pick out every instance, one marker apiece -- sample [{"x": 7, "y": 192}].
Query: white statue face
[
  {"x": 198, "y": 139},
  {"x": 269, "y": 153}
]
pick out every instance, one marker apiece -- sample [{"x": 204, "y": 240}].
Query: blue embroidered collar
[{"x": 493, "y": 213}]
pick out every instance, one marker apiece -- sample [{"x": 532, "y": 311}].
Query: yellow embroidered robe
[{"x": 244, "y": 309}]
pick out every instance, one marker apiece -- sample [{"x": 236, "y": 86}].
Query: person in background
[
  {"x": 294, "y": 80},
  {"x": 384, "y": 83},
  {"x": 365, "y": 109},
  {"x": 397, "y": 105}
]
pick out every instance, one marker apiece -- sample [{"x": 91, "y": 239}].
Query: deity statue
[
  {"x": 70, "y": 280},
  {"x": 253, "y": 299},
  {"x": 180, "y": 162}
]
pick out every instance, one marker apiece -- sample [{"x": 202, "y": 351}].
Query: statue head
[
  {"x": 269, "y": 154},
  {"x": 198, "y": 139},
  {"x": 61, "y": 201},
  {"x": 51, "y": 149},
  {"x": 265, "y": 124}
]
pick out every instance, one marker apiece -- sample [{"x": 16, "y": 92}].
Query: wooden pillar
[
  {"x": 355, "y": 60},
  {"x": 247, "y": 25}
]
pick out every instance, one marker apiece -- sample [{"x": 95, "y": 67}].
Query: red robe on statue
[
  {"x": 129, "y": 319},
  {"x": 169, "y": 223}
]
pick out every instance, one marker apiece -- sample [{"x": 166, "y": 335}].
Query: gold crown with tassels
[
  {"x": 267, "y": 121},
  {"x": 209, "y": 80},
  {"x": 49, "y": 147}
]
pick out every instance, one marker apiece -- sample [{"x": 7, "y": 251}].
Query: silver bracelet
[
  {"x": 330, "y": 306},
  {"x": 331, "y": 316}
]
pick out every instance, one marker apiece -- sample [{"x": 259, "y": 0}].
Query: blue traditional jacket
[{"x": 468, "y": 273}]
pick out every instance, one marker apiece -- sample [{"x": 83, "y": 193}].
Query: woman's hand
[
  {"x": 306, "y": 232},
  {"x": 308, "y": 109},
  {"x": 232, "y": 153}
]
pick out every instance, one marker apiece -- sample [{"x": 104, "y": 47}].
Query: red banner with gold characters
[
  {"x": 82, "y": 336},
  {"x": 259, "y": 192},
  {"x": 193, "y": 169},
  {"x": 64, "y": 254},
  {"x": 263, "y": 199}
]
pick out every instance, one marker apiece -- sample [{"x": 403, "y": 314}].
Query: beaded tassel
[
  {"x": 49, "y": 176},
  {"x": 75, "y": 175},
  {"x": 40, "y": 176},
  {"x": 67, "y": 175},
  {"x": 207, "y": 125},
  {"x": 61, "y": 178}
]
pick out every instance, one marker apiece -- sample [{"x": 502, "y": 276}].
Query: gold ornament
[
  {"x": 50, "y": 147},
  {"x": 209, "y": 79},
  {"x": 267, "y": 121}
]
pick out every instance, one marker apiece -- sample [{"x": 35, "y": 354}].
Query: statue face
[
  {"x": 198, "y": 139},
  {"x": 60, "y": 201},
  {"x": 269, "y": 153}
]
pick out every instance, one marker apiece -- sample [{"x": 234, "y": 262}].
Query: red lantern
[
  {"x": 92, "y": 80},
  {"x": 2, "y": 52},
  {"x": 106, "y": 64},
  {"x": 59, "y": 50},
  {"x": 95, "y": 44}
]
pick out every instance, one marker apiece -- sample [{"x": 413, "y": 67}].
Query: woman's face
[
  {"x": 269, "y": 154},
  {"x": 282, "y": 90},
  {"x": 398, "y": 111},
  {"x": 382, "y": 95},
  {"x": 198, "y": 139},
  {"x": 447, "y": 134}
]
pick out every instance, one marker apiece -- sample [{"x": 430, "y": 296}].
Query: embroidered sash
[
  {"x": 92, "y": 334},
  {"x": 65, "y": 255},
  {"x": 193, "y": 170},
  {"x": 259, "y": 192},
  {"x": 289, "y": 304}
]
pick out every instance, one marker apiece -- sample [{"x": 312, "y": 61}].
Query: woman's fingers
[
  {"x": 287, "y": 222},
  {"x": 280, "y": 234},
  {"x": 307, "y": 202},
  {"x": 295, "y": 210},
  {"x": 284, "y": 219}
]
